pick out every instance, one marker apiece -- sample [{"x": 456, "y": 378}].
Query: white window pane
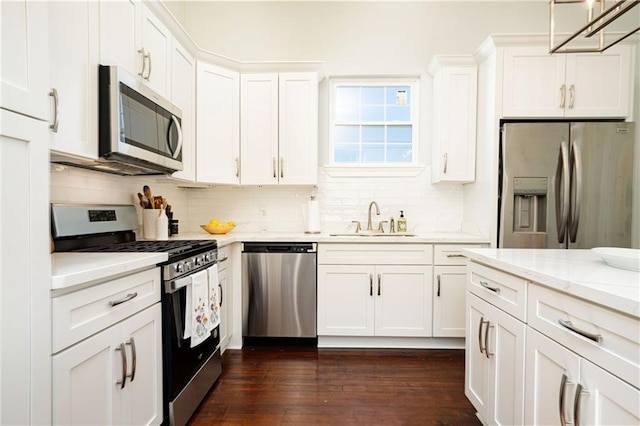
[
  {"x": 370, "y": 114},
  {"x": 347, "y": 114},
  {"x": 372, "y": 133},
  {"x": 398, "y": 113},
  {"x": 373, "y": 96},
  {"x": 399, "y": 154},
  {"x": 344, "y": 134},
  {"x": 347, "y": 154},
  {"x": 372, "y": 153},
  {"x": 347, "y": 95},
  {"x": 396, "y": 97},
  {"x": 400, "y": 134}
]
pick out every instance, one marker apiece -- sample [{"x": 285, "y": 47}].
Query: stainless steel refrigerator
[{"x": 566, "y": 185}]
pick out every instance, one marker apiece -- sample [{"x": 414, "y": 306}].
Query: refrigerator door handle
[
  {"x": 576, "y": 160},
  {"x": 562, "y": 186}
]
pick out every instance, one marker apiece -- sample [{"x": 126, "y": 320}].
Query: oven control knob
[{"x": 179, "y": 267}]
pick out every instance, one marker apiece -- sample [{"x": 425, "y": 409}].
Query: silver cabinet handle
[
  {"x": 486, "y": 339},
  {"x": 563, "y": 385},
  {"x": 144, "y": 61},
  {"x": 576, "y": 405},
  {"x": 572, "y": 93},
  {"x": 488, "y": 287},
  {"x": 123, "y": 357},
  {"x": 134, "y": 358},
  {"x": 378, "y": 284},
  {"x": 274, "y": 167},
  {"x": 438, "y": 292},
  {"x": 370, "y": 284},
  {"x": 444, "y": 169},
  {"x": 237, "y": 167},
  {"x": 480, "y": 334},
  {"x": 148, "y": 72},
  {"x": 568, "y": 325},
  {"x": 281, "y": 167},
  {"x": 125, "y": 299},
  {"x": 224, "y": 259},
  {"x": 576, "y": 159},
  {"x": 56, "y": 110},
  {"x": 221, "y": 294},
  {"x": 563, "y": 191},
  {"x": 563, "y": 90}
]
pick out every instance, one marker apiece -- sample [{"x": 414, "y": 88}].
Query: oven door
[{"x": 182, "y": 362}]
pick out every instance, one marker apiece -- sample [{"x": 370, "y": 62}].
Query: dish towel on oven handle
[
  {"x": 196, "y": 311},
  {"x": 214, "y": 297}
]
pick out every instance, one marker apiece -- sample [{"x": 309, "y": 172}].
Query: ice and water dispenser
[{"x": 529, "y": 204}]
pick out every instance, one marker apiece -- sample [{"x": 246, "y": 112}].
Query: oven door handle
[{"x": 175, "y": 285}]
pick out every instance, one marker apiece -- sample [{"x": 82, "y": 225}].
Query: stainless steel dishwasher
[{"x": 279, "y": 289}]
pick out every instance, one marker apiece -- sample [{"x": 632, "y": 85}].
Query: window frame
[{"x": 380, "y": 168}]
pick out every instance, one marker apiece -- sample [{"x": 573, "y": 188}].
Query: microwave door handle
[
  {"x": 175, "y": 153},
  {"x": 576, "y": 159},
  {"x": 562, "y": 186}
]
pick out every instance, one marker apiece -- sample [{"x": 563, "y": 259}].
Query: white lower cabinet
[
  {"x": 387, "y": 298},
  {"x": 564, "y": 388},
  {"x": 113, "y": 377},
  {"x": 224, "y": 282},
  {"x": 494, "y": 363}
]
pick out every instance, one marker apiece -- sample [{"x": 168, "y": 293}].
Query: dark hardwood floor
[{"x": 264, "y": 385}]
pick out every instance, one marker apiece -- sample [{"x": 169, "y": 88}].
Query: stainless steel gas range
[{"x": 189, "y": 371}]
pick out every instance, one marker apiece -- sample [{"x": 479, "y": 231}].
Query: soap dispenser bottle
[{"x": 402, "y": 222}]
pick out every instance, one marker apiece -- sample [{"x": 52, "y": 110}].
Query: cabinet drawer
[
  {"x": 617, "y": 350},
  {"x": 451, "y": 254},
  {"x": 375, "y": 254},
  {"x": 505, "y": 291},
  {"x": 80, "y": 314},
  {"x": 223, "y": 258}
]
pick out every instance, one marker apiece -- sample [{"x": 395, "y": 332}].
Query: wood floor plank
[{"x": 266, "y": 385}]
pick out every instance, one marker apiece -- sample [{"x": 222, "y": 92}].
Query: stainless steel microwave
[{"x": 139, "y": 131}]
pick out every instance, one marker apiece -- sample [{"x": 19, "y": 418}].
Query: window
[{"x": 373, "y": 122}]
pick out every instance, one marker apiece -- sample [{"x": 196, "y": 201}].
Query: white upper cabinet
[
  {"x": 24, "y": 66},
  {"x": 73, "y": 53},
  {"x": 537, "y": 84},
  {"x": 183, "y": 95},
  {"x": 455, "y": 85},
  {"x": 156, "y": 52},
  {"x": 120, "y": 34},
  {"x": 218, "y": 125},
  {"x": 279, "y": 128}
]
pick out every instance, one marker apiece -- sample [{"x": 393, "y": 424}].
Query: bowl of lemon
[{"x": 216, "y": 227}]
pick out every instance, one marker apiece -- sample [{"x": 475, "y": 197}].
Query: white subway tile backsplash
[{"x": 427, "y": 207}]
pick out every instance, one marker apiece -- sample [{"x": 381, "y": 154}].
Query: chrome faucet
[{"x": 369, "y": 226}]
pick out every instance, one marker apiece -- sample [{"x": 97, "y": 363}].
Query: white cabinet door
[
  {"x": 113, "y": 377},
  {"x": 449, "y": 301},
  {"x": 533, "y": 83},
  {"x": 85, "y": 376},
  {"x": 606, "y": 399},
  {"x": 121, "y": 35},
  {"x": 73, "y": 53},
  {"x": 24, "y": 69},
  {"x": 403, "y": 300},
  {"x": 156, "y": 43},
  {"x": 345, "y": 300},
  {"x": 599, "y": 84},
  {"x": 183, "y": 95},
  {"x": 259, "y": 129},
  {"x": 142, "y": 395},
  {"x": 551, "y": 375},
  {"x": 218, "y": 126},
  {"x": 454, "y": 119},
  {"x": 298, "y": 128},
  {"x": 476, "y": 387},
  {"x": 25, "y": 281}
]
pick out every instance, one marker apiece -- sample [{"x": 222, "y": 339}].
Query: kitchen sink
[{"x": 372, "y": 234}]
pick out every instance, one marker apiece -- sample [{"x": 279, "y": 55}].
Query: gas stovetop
[{"x": 172, "y": 248}]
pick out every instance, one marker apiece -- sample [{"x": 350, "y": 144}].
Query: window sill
[{"x": 373, "y": 171}]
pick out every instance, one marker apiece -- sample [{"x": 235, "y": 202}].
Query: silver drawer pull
[
  {"x": 456, "y": 255},
  {"x": 488, "y": 287},
  {"x": 134, "y": 358},
  {"x": 224, "y": 259},
  {"x": 123, "y": 356},
  {"x": 128, "y": 297},
  {"x": 568, "y": 325}
]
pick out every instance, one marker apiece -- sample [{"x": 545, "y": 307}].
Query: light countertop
[
  {"x": 71, "y": 269},
  {"x": 581, "y": 273}
]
